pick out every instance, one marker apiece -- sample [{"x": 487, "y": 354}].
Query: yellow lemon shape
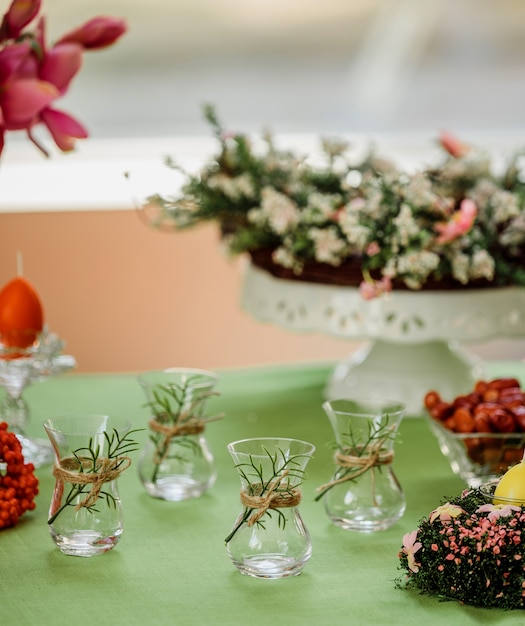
[{"x": 511, "y": 487}]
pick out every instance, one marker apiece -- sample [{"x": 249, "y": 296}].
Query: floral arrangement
[
  {"x": 33, "y": 75},
  {"x": 468, "y": 550},
  {"x": 361, "y": 221}
]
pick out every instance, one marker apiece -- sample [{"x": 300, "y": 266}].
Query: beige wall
[{"x": 127, "y": 298}]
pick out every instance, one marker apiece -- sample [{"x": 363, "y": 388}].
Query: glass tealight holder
[
  {"x": 364, "y": 494},
  {"x": 176, "y": 462},
  {"x": 269, "y": 538}
]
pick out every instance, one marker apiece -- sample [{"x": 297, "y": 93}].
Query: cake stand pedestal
[
  {"x": 413, "y": 338},
  {"x": 35, "y": 364}
]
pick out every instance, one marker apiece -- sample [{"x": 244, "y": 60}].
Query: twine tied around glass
[
  {"x": 278, "y": 495},
  {"x": 187, "y": 424},
  {"x": 108, "y": 470},
  {"x": 368, "y": 458}
]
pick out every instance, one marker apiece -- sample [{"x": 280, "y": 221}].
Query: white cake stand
[{"x": 413, "y": 337}]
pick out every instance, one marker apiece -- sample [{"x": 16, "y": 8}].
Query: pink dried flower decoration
[
  {"x": 495, "y": 511},
  {"x": 475, "y": 555},
  {"x": 446, "y": 512},
  {"x": 410, "y": 547},
  {"x": 33, "y": 76}
]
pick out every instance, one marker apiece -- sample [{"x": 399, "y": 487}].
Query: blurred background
[
  {"x": 125, "y": 297},
  {"x": 302, "y": 65}
]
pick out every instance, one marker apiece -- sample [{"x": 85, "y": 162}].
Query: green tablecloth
[{"x": 171, "y": 567}]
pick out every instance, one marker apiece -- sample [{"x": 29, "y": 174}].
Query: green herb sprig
[
  {"x": 283, "y": 469},
  {"x": 353, "y": 445},
  {"x": 171, "y": 406},
  {"x": 88, "y": 460}
]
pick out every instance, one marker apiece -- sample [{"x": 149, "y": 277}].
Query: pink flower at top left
[{"x": 33, "y": 75}]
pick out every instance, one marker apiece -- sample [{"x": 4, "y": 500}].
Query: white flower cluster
[{"x": 457, "y": 222}]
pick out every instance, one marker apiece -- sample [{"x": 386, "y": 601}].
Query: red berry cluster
[{"x": 18, "y": 483}]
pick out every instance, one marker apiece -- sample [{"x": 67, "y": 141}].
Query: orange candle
[{"x": 21, "y": 314}]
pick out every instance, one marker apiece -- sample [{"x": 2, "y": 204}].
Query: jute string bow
[
  {"x": 187, "y": 424},
  {"x": 374, "y": 455},
  {"x": 108, "y": 470},
  {"x": 278, "y": 495}
]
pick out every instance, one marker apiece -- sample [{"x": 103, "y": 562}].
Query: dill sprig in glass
[
  {"x": 281, "y": 483},
  {"x": 88, "y": 463},
  {"x": 355, "y": 454},
  {"x": 178, "y": 413}
]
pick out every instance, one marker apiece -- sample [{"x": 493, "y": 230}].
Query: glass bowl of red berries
[{"x": 481, "y": 433}]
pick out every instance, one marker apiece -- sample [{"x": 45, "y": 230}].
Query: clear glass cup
[
  {"x": 85, "y": 515},
  {"x": 176, "y": 462},
  {"x": 269, "y": 538},
  {"x": 479, "y": 457},
  {"x": 364, "y": 494}
]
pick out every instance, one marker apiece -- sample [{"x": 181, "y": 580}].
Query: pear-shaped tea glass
[
  {"x": 176, "y": 463},
  {"x": 364, "y": 493},
  {"x": 85, "y": 515},
  {"x": 269, "y": 538}
]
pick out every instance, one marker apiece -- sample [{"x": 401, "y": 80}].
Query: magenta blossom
[
  {"x": 18, "y": 16},
  {"x": 22, "y": 94},
  {"x": 33, "y": 76},
  {"x": 99, "y": 32}
]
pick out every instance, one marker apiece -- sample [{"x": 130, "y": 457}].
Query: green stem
[
  {"x": 243, "y": 520},
  {"x": 164, "y": 408},
  {"x": 157, "y": 465},
  {"x": 75, "y": 491}
]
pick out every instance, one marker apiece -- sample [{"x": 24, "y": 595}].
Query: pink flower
[
  {"x": 19, "y": 15},
  {"x": 410, "y": 547},
  {"x": 22, "y": 94},
  {"x": 495, "y": 511},
  {"x": 459, "y": 224},
  {"x": 63, "y": 128},
  {"x": 60, "y": 65},
  {"x": 446, "y": 512},
  {"x": 373, "y": 248},
  {"x": 33, "y": 76},
  {"x": 99, "y": 32},
  {"x": 370, "y": 288},
  {"x": 452, "y": 145}
]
